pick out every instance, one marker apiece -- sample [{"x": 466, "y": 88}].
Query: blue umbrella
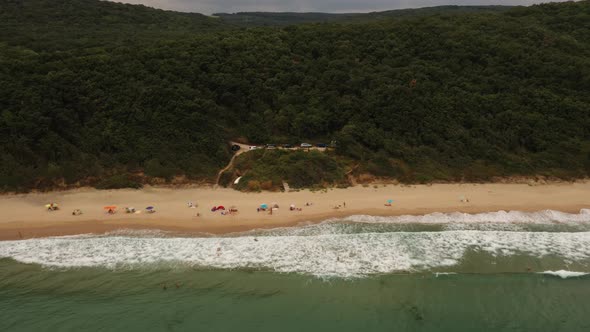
[
  {"x": 149, "y": 208},
  {"x": 264, "y": 206},
  {"x": 389, "y": 201}
]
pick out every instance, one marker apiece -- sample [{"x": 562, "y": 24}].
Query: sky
[{"x": 327, "y": 6}]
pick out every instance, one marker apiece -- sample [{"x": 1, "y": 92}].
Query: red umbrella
[{"x": 221, "y": 207}]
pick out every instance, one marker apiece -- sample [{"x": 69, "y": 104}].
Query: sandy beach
[{"x": 24, "y": 215}]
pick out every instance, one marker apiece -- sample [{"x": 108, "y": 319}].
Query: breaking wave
[
  {"x": 538, "y": 217},
  {"x": 351, "y": 247},
  {"x": 563, "y": 274}
]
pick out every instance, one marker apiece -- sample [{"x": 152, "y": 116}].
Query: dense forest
[{"x": 109, "y": 95}]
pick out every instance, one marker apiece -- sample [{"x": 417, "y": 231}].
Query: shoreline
[{"x": 24, "y": 215}]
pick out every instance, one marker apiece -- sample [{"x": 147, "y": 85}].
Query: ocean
[{"x": 501, "y": 271}]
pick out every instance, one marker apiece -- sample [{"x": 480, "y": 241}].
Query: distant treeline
[
  {"x": 290, "y": 18},
  {"x": 107, "y": 94}
]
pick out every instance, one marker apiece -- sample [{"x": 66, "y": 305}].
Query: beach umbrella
[
  {"x": 221, "y": 207},
  {"x": 110, "y": 207},
  {"x": 149, "y": 208},
  {"x": 48, "y": 205},
  {"x": 264, "y": 206},
  {"x": 389, "y": 201}
]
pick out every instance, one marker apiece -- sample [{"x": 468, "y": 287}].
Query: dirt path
[{"x": 243, "y": 148}]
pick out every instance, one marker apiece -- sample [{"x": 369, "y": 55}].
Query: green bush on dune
[{"x": 267, "y": 169}]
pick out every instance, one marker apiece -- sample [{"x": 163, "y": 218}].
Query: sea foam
[
  {"x": 353, "y": 246},
  {"x": 344, "y": 255},
  {"x": 566, "y": 274}
]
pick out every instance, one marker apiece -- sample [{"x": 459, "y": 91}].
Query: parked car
[
  {"x": 287, "y": 146},
  {"x": 235, "y": 147},
  {"x": 306, "y": 145},
  {"x": 322, "y": 145},
  {"x": 271, "y": 146},
  {"x": 253, "y": 148}
]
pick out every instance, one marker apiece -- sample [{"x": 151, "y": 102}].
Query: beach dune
[{"x": 25, "y": 216}]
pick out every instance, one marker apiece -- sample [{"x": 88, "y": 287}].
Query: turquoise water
[{"x": 357, "y": 274}]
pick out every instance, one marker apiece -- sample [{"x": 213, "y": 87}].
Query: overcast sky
[{"x": 328, "y": 6}]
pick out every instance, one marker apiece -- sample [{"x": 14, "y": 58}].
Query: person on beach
[{"x": 52, "y": 207}]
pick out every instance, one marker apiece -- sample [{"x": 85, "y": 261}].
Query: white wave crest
[
  {"x": 437, "y": 274},
  {"x": 566, "y": 274},
  {"x": 341, "y": 254},
  {"x": 544, "y": 216}
]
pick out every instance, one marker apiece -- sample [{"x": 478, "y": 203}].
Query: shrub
[
  {"x": 117, "y": 182},
  {"x": 253, "y": 185},
  {"x": 266, "y": 185}
]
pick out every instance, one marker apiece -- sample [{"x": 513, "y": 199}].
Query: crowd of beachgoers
[{"x": 221, "y": 209}]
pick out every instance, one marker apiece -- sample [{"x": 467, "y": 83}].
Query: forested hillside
[
  {"x": 125, "y": 93},
  {"x": 290, "y": 18},
  {"x": 51, "y": 25}
]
